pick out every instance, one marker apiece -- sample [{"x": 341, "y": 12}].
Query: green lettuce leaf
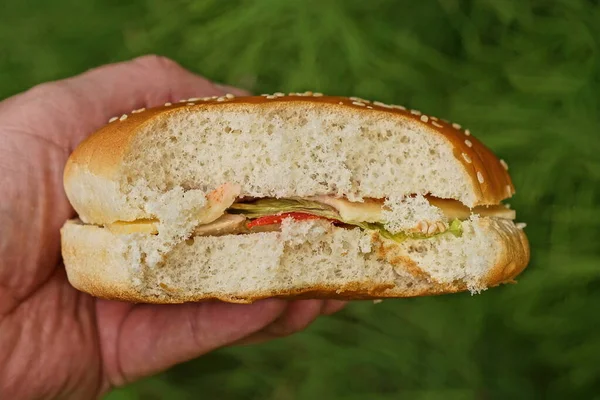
[{"x": 271, "y": 206}]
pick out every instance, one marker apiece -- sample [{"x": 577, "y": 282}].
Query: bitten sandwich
[{"x": 294, "y": 196}]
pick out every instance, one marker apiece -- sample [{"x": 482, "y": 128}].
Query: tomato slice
[{"x": 277, "y": 219}]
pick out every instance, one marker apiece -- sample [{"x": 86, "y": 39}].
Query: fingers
[
  {"x": 232, "y": 90},
  {"x": 147, "y": 81},
  {"x": 84, "y": 103},
  {"x": 298, "y": 316},
  {"x": 154, "y": 337},
  {"x": 333, "y": 306}
]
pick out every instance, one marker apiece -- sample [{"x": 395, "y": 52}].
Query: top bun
[{"x": 301, "y": 144}]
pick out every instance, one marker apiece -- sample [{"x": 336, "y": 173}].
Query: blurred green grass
[{"x": 522, "y": 75}]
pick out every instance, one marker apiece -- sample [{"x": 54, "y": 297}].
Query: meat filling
[{"x": 246, "y": 216}]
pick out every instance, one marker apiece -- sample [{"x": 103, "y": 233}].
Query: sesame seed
[
  {"x": 369, "y": 107},
  {"x": 504, "y": 164},
  {"x": 123, "y": 117},
  {"x": 466, "y": 157},
  {"x": 521, "y": 225},
  {"x": 415, "y": 112},
  {"x": 377, "y": 301},
  {"x": 317, "y": 94},
  {"x": 468, "y": 143},
  {"x": 441, "y": 226},
  {"x": 431, "y": 229},
  {"x": 354, "y": 98},
  {"x": 467, "y": 132},
  {"x": 307, "y": 93},
  {"x": 358, "y": 103},
  {"x": 341, "y": 103},
  {"x": 424, "y": 118},
  {"x": 167, "y": 104},
  {"x": 293, "y": 94},
  {"x": 270, "y": 97},
  {"x": 509, "y": 190},
  {"x": 139, "y": 110},
  {"x": 434, "y": 118},
  {"x": 380, "y": 104},
  {"x": 436, "y": 124},
  {"x": 278, "y": 94},
  {"x": 221, "y": 99},
  {"x": 182, "y": 101},
  {"x": 480, "y": 177},
  {"x": 265, "y": 94},
  {"x": 229, "y": 96},
  {"x": 194, "y": 99},
  {"x": 398, "y": 107},
  {"x": 206, "y": 98},
  {"x": 113, "y": 119},
  {"x": 214, "y": 97},
  {"x": 456, "y": 126},
  {"x": 190, "y": 104}
]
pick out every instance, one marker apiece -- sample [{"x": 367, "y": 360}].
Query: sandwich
[{"x": 292, "y": 196}]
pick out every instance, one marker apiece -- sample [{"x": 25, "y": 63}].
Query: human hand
[{"x": 56, "y": 342}]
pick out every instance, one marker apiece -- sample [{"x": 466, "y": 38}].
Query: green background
[{"x": 521, "y": 75}]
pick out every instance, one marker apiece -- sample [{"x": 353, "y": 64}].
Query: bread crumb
[{"x": 405, "y": 212}]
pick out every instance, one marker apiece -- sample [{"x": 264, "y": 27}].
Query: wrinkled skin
[{"x": 56, "y": 342}]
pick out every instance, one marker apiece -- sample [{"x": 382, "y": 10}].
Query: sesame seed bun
[
  {"x": 331, "y": 264},
  {"x": 167, "y": 164},
  {"x": 96, "y": 180}
]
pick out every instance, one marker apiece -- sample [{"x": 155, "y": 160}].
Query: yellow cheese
[
  {"x": 455, "y": 209},
  {"x": 213, "y": 219},
  {"x": 217, "y": 202},
  {"x": 138, "y": 226},
  {"x": 372, "y": 210},
  {"x": 367, "y": 211}
]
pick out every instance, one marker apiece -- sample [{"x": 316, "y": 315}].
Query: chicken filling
[{"x": 246, "y": 216}]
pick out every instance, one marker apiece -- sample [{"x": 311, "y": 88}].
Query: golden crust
[
  {"x": 101, "y": 153},
  {"x": 99, "y": 268}
]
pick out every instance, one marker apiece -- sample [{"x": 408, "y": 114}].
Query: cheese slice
[
  {"x": 367, "y": 211},
  {"x": 372, "y": 210},
  {"x": 218, "y": 201},
  {"x": 453, "y": 209},
  {"x": 213, "y": 220},
  {"x": 139, "y": 226}
]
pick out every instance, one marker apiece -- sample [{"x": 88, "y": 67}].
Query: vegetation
[{"x": 522, "y": 75}]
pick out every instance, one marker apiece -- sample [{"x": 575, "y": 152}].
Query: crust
[
  {"x": 97, "y": 262},
  {"x": 94, "y": 165}
]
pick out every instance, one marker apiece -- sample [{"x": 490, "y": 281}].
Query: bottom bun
[{"x": 304, "y": 260}]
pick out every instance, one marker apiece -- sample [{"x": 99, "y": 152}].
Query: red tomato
[{"x": 276, "y": 219}]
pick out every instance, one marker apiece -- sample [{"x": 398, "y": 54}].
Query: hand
[{"x": 56, "y": 342}]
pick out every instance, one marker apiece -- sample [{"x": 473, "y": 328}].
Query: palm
[{"x": 64, "y": 343}]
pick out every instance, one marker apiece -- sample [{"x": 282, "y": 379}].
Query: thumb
[{"x": 151, "y": 338}]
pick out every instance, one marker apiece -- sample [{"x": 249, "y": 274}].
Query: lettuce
[{"x": 272, "y": 206}]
